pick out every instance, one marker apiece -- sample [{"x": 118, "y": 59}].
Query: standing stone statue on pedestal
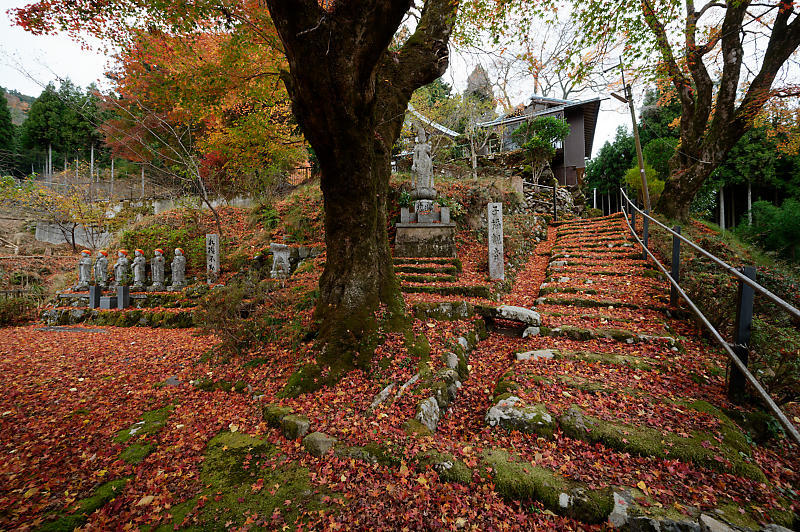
[
  {"x": 121, "y": 268},
  {"x": 157, "y": 270},
  {"x": 101, "y": 269},
  {"x": 84, "y": 271},
  {"x": 178, "y": 270},
  {"x": 424, "y": 193},
  {"x": 280, "y": 261},
  {"x": 139, "y": 266}
]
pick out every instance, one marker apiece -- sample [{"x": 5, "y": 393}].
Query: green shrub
[
  {"x": 241, "y": 316},
  {"x": 16, "y": 310},
  {"x": 775, "y": 228}
]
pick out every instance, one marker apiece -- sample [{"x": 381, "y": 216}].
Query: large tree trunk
[{"x": 349, "y": 94}]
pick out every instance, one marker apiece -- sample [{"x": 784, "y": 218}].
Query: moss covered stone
[
  {"x": 136, "y": 452},
  {"x": 516, "y": 479},
  {"x": 231, "y": 485},
  {"x": 700, "y": 448},
  {"x": 77, "y": 514},
  {"x": 151, "y": 422},
  {"x": 448, "y": 468},
  {"x": 294, "y": 426},
  {"x": 412, "y": 427}
]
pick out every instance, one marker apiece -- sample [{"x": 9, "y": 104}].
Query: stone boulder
[
  {"x": 508, "y": 312},
  {"x": 512, "y": 414},
  {"x": 318, "y": 443},
  {"x": 428, "y": 413},
  {"x": 295, "y": 426}
]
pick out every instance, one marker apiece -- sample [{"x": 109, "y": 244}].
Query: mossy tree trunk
[{"x": 349, "y": 94}]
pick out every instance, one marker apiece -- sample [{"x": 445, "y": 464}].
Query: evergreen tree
[
  {"x": 6, "y": 136},
  {"x": 607, "y": 171}
]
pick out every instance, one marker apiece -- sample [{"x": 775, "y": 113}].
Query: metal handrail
[
  {"x": 733, "y": 271},
  {"x": 776, "y": 410}
]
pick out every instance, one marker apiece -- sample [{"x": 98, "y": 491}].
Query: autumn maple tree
[
  {"x": 725, "y": 61},
  {"x": 349, "y": 94}
]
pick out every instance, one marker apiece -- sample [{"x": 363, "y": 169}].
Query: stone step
[
  {"x": 428, "y": 278},
  {"x": 406, "y": 261},
  {"x": 417, "y": 269},
  {"x": 484, "y": 292},
  {"x": 583, "y": 302}
]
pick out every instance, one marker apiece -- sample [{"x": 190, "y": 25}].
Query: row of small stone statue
[{"x": 123, "y": 269}]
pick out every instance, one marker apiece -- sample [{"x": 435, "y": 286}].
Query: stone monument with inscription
[
  {"x": 212, "y": 258},
  {"x": 139, "y": 267},
  {"x": 495, "y": 223},
  {"x": 84, "y": 271},
  {"x": 280, "y": 261},
  {"x": 178, "y": 271},
  {"x": 157, "y": 270},
  {"x": 427, "y": 230}
]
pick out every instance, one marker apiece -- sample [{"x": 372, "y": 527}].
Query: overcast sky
[{"x": 28, "y": 62}]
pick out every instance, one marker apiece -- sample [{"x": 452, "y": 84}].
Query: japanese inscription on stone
[
  {"x": 495, "y": 222},
  {"x": 212, "y": 258}
]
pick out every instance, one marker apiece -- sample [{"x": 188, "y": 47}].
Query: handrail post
[
  {"x": 645, "y": 233},
  {"x": 744, "y": 320},
  {"x": 633, "y": 219},
  {"x": 676, "y": 266},
  {"x": 594, "y": 198}
]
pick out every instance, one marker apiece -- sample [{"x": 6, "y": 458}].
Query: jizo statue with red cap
[
  {"x": 101, "y": 269},
  {"x": 139, "y": 265},
  {"x": 84, "y": 270},
  {"x": 157, "y": 270},
  {"x": 121, "y": 268}
]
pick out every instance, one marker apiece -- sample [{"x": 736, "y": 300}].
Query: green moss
[
  {"x": 700, "y": 448},
  {"x": 79, "y": 513},
  {"x": 229, "y": 476},
  {"x": 481, "y": 333},
  {"x": 466, "y": 291},
  {"x": 136, "y": 452},
  {"x": 609, "y": 358},
  {"x": 225, "y": 386},
  {"x": 573, "y": 333},
  {"x": 305, "y": 379},
  {"x": 412, "y": 427},
  {"x": 448, "y": 468},
  {"x": 428, "y": 278},
  {"x": 153, "y": 421},
  {"x": 418, "y": 346},
  {"x": 177, "y": 514},
  {"x": 515, "y": 479}
]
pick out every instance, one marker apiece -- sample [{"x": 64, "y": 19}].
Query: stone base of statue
[
  {"x": 425, "y": 232},
  {"x": 83, "y": 287},
  {"x": 156, "y": 287},
  {"x": 425, "y": 240},
  {"x": 137, "y": 288},
  {"x": 177, "y": 287}
]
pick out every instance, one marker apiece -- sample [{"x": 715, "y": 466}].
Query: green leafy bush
[
  {"x": 775, "y": 228},
  {"x": 16, "y": 310}
]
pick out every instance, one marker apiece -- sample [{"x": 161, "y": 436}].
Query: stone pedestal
[
  {"x": 123, "y": 297},
  {"x": 108, "y": 302},
  {"x": 425, "y": 240},
  {"x": 95, "y": 293}
]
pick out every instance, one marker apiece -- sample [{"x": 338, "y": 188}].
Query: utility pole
[{"x": 628, "y": 98}]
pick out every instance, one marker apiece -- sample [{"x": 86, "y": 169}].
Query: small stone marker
[
  {"x": 94, "y": 296},
  {"x": 108, "y": 302},
  {"x": 123, "y": 297},
  {"x": 517, "y": 185},
  {"x": 445, "y": 215},
  {"x": 496, "y": 261},
  {"x": 280, "y": 261},
  {"x": 212, "y": 258},
  {"x": 405, "y": 215}
]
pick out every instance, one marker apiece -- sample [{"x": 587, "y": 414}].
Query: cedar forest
[{"x": 354, "y": 360}]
